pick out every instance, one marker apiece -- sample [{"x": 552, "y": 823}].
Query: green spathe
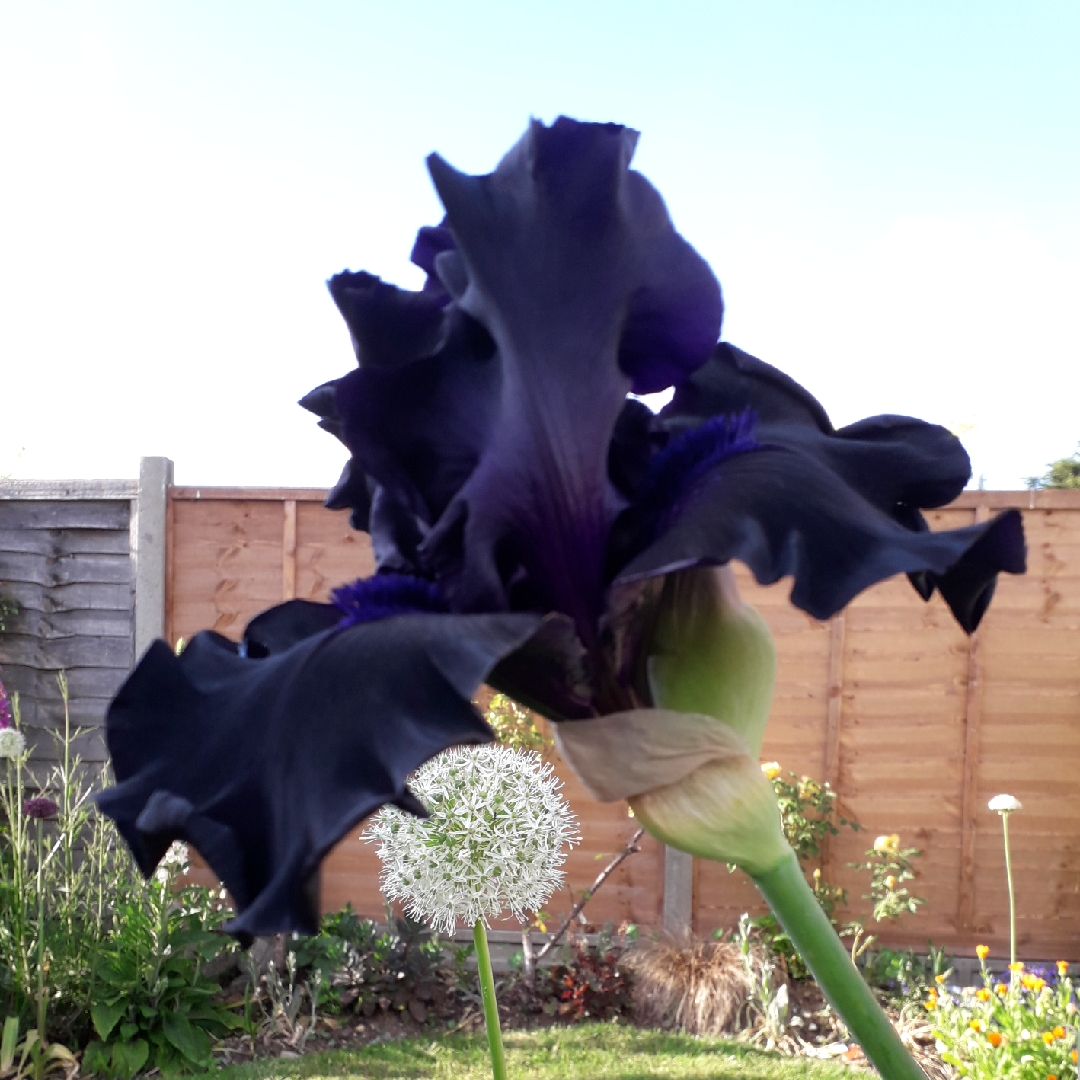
[
  {"x": 711, "y": 653},
  {"x": 690, "y": 778}
]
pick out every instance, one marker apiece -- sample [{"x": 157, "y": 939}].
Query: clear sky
[{"x": 888, "y": 193}]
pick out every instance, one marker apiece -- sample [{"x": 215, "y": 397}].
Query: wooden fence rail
[{"x": 915, "y": 725}]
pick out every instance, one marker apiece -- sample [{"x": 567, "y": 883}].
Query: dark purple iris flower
[{"x": 522, "y": 507}]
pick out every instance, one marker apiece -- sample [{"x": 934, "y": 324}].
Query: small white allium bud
[
  {"x": 12, "y": 743},
  {"x": 497, "y": 835},
  {"x": 1005, "y": 804}
]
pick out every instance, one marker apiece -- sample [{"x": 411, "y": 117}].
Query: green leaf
[
  {"x": 191, "y": 1041},
  {"x": 95, "y": 1058},
  {"x": 8, "y": 1042},
  {"x": 128, "y": 1031},
  {"x": 105, "y": 1017},
  {"x": 129, "y": 1058}
]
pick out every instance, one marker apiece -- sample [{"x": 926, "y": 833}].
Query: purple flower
[
  {"x": 5, "y": 707},
  {"x": 520, "y": 502},
  {"x": 41, "y": 807}
]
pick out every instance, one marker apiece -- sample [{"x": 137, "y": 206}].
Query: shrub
[{"x": 591, "y": 983}]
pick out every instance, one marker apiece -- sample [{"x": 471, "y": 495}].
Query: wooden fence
[{"x": 915, "y": 725}]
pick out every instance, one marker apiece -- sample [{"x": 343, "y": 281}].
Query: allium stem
[
  {"x": 491, "y": 1006},
  {"x": 794, "y": 904},
  {"x": 1012, "y": 895}
]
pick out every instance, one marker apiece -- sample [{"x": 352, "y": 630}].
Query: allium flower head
[
  {"x": 497, "y": 833},
  {"x": 1005, "y": 804},
  {"x": 12, "y": 743},
  {"x": 41, "y": 807}
]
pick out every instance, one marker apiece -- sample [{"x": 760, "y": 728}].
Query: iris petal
[
  {"x": 569, "y": 260},
  {"x": 264, "y": 764},
  {"x": 785, "y": 512}
]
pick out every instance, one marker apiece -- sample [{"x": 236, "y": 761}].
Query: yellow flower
[
  {"x": 939, "y": 979},
  {"x": 809, "y": 788},
  {"x": 993, "y": 1038},
  {"x": 976, "y": 1025},
  {"x": 1048, "y": 1037},
  {"x": 1001, "y": 989},
  {"x": 1072, "y": 1055},
  {"x": 982, "y": 951},
  {"x": 887, "y": 845},
  {"x": 1063, "y": 968},
  {"x": 983, "y": 994},
  {"x": 1017, "y": 966},
  {"x": 771, "y": 769},
  {"x": 1059, "y": 1032},
  {"x": 931, "y": 1005},
  {"x": 890, "y": 883}
]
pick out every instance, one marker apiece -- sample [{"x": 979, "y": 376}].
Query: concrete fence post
[
  {"x": 148, "y": 550},
  {"x": 678, "y": 892}
]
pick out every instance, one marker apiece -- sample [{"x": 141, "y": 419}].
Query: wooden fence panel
[
  {"x": 66, "y": 560},
  {"x": 915, "y": 725}
]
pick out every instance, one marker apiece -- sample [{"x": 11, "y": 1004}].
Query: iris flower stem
[
  {"x": 491, "y": 1006},
  {"x": 794, "y": 904},
  {"x": 1012, "y": 895}
]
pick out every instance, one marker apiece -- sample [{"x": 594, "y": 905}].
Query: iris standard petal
[
  {"x": 264, "y": 764},
  {"x": 784, "y": 512},
  {"x": 569, "y": 260}
]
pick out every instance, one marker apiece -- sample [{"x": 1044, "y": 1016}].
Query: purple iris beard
[
  {"x": 385, "y": 595},
  {"x": 689, "y": 457}
]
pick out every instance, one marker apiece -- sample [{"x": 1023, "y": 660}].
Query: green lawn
[{"x": 577, "y": 1053}]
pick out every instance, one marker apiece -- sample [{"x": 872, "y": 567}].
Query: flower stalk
[
  {"x": 491, "y": 1006},
  {"x": 794, "y": 904},
  {"x": 1005, "y": 805}
]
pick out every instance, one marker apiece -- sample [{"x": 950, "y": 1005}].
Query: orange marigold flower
[
  {"x": 1028, "y": 981},
  {"x": 1017, "y": 966},
  {"x": 993, "y": 1038},
  {"x": 1037, "y": 984},
  {"x": 1059, "y": 1032},
  {"x": 931, "y": 1005},
  {"x": 983, "y": 994},
  {"x": 1048, "y": 1037},
  {"x": 1073, "y": 1056},
  {"x": 1063, "y": 968},
  {"x": 1051, "y": 1076},
  {"x": 982, "y": 951},
  {"x": 1001, "y": 989},
  {"x": 976, "y": 1025},
  {"x": 939, "y": 979}
]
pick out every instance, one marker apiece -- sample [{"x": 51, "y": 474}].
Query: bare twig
[{"x": 575, "y": 911}]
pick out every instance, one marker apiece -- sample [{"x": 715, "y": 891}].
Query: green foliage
[
  {"x": 890, "y": 866},
  {"x": 358, "y": 966},
  {"x": 152, "y": 1002},
  {"x": 110, "y": 955},
  {"x": 808, "y": 812},
  {"x": 903, "y": 974},
  {"x": 1063, "y": 473},
  {"x": 515, "y": 726},
  {"x": 1024, "y": 1029}
]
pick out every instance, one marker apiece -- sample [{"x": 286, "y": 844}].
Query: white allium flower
[
  {"x": 12, "y": 743},
  {"x": 1005, "y": 804},
  {"x": 497, "y": 834}
]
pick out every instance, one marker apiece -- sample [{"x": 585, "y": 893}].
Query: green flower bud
[
  {"x": 711, "y": 653},
  {"x": 690, "y": 779}
]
